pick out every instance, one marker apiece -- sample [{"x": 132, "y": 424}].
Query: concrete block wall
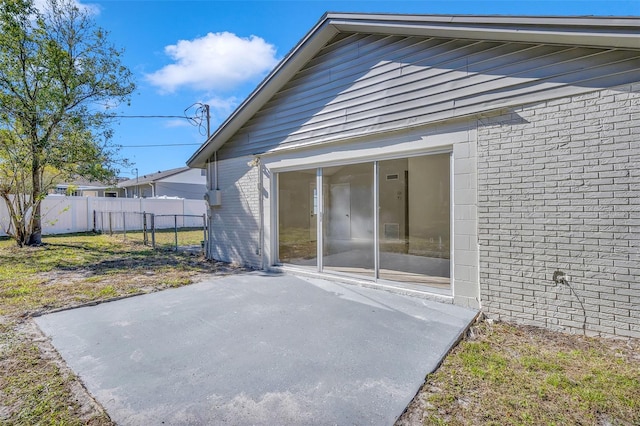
[
  {"x": 465, "y": 234},
  {"x": 559, "y": 190},
  {"x": 235, "y": 230}
]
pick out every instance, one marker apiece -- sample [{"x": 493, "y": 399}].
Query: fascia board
[
  {"x": 561, "y": 22},
  {"x": 609, "y": 37}
]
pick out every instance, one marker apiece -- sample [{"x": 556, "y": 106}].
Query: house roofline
[
  {"x": 151, "y": 177},
  {"x": 610, "y": 32}
]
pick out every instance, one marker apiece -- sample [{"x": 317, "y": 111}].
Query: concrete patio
[{"x": 257, "y": 349}]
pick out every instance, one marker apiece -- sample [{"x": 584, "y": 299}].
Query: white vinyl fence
[{"x": 64, "y": 215}]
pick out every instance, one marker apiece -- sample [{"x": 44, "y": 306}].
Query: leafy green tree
[{"x": 60, "y": 79}]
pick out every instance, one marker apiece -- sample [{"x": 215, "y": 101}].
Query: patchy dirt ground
[
  {"x": 126, "y": 277},
  {"x": 36, "y": 387},
  {"x": 503, "y": 374}
]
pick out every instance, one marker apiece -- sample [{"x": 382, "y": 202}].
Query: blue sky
[{"x": 216, "y": 52}]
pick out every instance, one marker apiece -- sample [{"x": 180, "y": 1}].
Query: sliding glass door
[
  {"x": 297, "y": 217},
  {"x": 414, "y": 226},
  {"x": 387, "y": 220},
  {"x": 348, "y": 244}
]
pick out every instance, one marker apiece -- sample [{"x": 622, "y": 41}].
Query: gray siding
[
  {"x": 362, "y": 84},
  {"x": 559, "y": 189},
  {"x": 192, "y": 191}
]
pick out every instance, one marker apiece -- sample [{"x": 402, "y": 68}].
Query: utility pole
[
  {"x": 137, "y": 188},
  {"x": 215, "y": 154},
  {"x": 207, "y": 111}
]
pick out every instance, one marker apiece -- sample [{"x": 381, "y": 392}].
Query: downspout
[
  {"x": 207, "y": 110},
  {"x": 258, "y": 163},
  {"x": 209, "y": 210},
  {"x": 209, "y": 182},
  {"x": 153, "y": 190},
  {"x": 215, "y": 167}
]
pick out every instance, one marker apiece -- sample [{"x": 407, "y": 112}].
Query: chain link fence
[{"x": 161, "y": 231}]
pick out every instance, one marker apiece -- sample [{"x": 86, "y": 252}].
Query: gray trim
[
  {"x": 452, "y": 222},
  {"x": 500, "y": 20},
  {"x": 320, "y": 219},
  {"x": 616, "y": 32},
  {"x": 376, "y": 220}
]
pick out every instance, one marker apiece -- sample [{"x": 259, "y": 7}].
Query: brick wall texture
[
  {"x": 559, "y": 190},
  {"x": 235, "y": 229}
]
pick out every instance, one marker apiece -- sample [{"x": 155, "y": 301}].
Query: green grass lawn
[
  {"x": 499, "y": 375},
  {"x": 508, "y": 375},
  {"x": 166, "y": 238},
  {"x": 69, "y": 270}
]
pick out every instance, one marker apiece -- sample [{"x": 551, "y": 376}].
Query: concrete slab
[{"x": 257, "y": 349}]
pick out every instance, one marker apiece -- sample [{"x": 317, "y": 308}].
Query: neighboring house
[
  {"x": 182, "y": 182},
  {"x": 491, "y": 161},
  {"x": 82, "y": 187}
]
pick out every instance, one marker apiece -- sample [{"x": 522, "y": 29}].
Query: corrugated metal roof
[{"x": 611, "y": 32}]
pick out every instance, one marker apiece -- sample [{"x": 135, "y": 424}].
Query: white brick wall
[
  {"x": 559, "y": 189},
  {"x": 465, "y": 226},
  {"x": 235, "y": 227}
]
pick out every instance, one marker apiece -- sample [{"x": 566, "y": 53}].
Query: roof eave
[
  {"x": 622, "y": 33},
  {"x": 611, "y": 32}
]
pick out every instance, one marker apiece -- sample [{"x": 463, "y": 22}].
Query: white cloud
[
  {"x": 219, "y": 61},
  {"x": 92, "y": 9},
  {"x": 222, "y": 107}
]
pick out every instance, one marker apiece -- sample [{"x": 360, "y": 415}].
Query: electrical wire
[
  {"x": 190, "y": 118},
  {"x": 201, "y": 118},
  {"x": 158, "y": 145},
  {"x": 197, "y": 120},
  {"x": 155, "y": 116}
]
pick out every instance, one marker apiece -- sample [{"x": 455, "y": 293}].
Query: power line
[
  {"x": 157, "y": 145},
  {"x": 154, "y": 116},
  {"x": 186, "y": 117},
  {"x": 196, "y": 120}
]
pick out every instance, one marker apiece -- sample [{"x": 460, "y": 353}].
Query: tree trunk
[
  {"x": 35, "y": 238},
  {"x": 35, "y": 228}
]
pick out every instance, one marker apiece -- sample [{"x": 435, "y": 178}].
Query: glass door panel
[
  {"x": 415, "y": 220},
  {"x": 297, "y": 217},
  {"x": 348, "y": 219}
]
